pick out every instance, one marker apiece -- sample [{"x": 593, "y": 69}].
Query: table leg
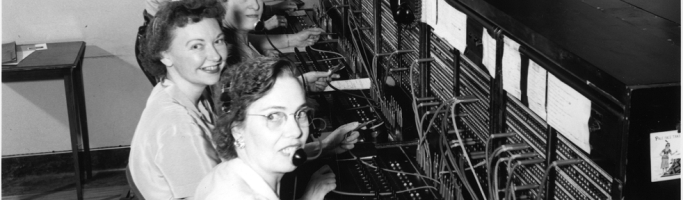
[
  {"x": 82, "y": 120},
  {"x": 74, "y": 127}
]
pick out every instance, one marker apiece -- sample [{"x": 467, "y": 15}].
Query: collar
[
  {"x": 181, "y": 98},
  {"x": 255, "y": 182}
]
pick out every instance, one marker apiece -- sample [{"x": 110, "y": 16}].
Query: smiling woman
[
  {"x": 241, "y": 17},
  {"x": 171, "y": 149},
  {"x": 196, "y": 55}
]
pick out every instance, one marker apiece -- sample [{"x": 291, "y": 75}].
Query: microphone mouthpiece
[
  {"x": 259, "y": 26},
  {"x": 299, "y": 157}
]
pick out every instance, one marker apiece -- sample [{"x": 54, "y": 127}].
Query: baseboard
[{"x": 101, "y": 159}]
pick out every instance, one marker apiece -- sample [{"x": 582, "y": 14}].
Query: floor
[{"x": 104, "y": 185}]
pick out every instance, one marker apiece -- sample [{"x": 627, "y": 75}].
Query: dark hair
[
  {"x": 246, "y": 83},
  {"x": 171, "y": 15}
]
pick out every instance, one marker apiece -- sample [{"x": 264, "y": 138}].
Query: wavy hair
[
  {"x": 245, "y": 84},
  {"x": 171, "y": 15}
]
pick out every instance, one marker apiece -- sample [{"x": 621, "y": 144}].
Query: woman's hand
[
  {"x": 322, "y": 182},
  {"x": 340, "y": 140},
  {"x": 305, "y": 38},
  {"x": 316, "y": 81},
  {"x": 276, "y": 21}
]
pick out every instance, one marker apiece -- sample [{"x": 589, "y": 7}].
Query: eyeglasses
[{"x": 276, "y": 119}]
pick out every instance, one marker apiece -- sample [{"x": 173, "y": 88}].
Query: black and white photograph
[{"x": 341, "y": 99}]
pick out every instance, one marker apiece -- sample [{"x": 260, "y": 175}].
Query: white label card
[
  {"x": 568, "y": 112},
  {"x": 351, "y": 84},
  {"x": 489, "y": 57},
  {"x": 536, "y": 89},
  {"x": 512, "y": 67},
  {"x": 451, "y": 25}
]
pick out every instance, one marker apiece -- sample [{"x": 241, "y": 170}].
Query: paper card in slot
[
  {"x": 568, "y": 112},
  {"x": 352, "y": 84},
  {"x": 451, "y": 25},
  {"x": 489, "y": 57},
  {"x": 536, "y": 89},
  {"x": 512, "y": 67}
]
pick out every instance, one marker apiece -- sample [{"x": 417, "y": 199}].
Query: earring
[{"x": 239, "y": 143}]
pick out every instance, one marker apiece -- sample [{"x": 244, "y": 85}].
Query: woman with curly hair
[
  {"x": 172, "y": 149},
  {"x": 152, "y": 7},
  {"x": 266, "y": 121}
]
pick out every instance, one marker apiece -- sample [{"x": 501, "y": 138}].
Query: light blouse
[
  {"x": 234, "y": 179},
  {"x": 172, "y": 149}
]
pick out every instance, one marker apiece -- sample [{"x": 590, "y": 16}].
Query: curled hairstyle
[
  {"x": 246, "y": 83},
  {"x": 171, "y": 15}
]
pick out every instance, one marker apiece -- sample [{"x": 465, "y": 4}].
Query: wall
[{"x": 34, "y": 116}]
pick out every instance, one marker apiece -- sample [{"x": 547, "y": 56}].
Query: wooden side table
[{"x": 62, "y": 61}]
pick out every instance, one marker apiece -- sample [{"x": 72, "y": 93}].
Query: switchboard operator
[
  {"x": 171, "y": 149},
  {"x": 153, "y": 6},
  {"x": 265, "y": 125},
  {"x": 241, "y": 18}
]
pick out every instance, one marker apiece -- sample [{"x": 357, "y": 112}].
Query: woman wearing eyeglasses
[{"x": 266, "y": 122}]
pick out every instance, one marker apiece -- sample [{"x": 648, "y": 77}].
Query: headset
[
  {"x": 260, "y": 26},
  {"x": 299, "y": 157}
]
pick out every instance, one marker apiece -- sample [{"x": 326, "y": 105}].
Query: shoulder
[
  {"x": 161, "y": 116},
  {"x": 162, "y": 100},
  {"x": 162, "y": 107},
  {"x": 167, "y": 118}
]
